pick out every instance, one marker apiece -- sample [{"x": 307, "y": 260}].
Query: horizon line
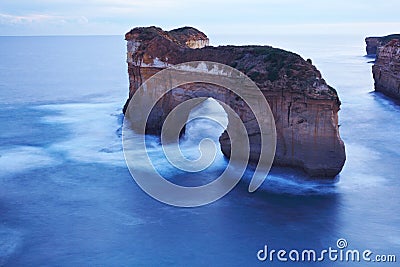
[{"x": 63, "y": 35}]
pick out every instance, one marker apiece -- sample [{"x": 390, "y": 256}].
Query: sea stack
[
  {"x": 386, "y": 70},
  {"x": 304, "y": 106},
  {"x": 373, "y": 43}
]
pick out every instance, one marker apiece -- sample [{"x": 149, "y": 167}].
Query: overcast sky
[{"x": 76, "y": 17}]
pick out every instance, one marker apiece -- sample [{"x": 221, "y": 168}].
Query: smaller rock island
[
  {"x": 386, "y": 70},
  {"x": 373, "y": 43}
]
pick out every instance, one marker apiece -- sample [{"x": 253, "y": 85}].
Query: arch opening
[{"x": 207, "y": 120}]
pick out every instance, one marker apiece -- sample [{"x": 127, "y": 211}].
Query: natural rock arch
[
  {"x": 305, "y": 108},
  {"x": 202, "y": 91}
]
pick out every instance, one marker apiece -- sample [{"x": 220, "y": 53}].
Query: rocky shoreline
[{"x": 304, "y": 106}]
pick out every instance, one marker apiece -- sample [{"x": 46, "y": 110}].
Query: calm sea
[{"x": 67, "y": 198}]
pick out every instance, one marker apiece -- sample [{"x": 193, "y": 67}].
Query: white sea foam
[
  {"x": 92, "y": 134},
  {"x": 291, "y": 184},
  {"x": 362, "y": 160},
  {"x": 22, "y": 158}
]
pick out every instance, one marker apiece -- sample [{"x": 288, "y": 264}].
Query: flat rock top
[
  {"x": 385, "y": 39},
  {"x": 179, "y": 36},
  {"x": 270, "y": 68}
]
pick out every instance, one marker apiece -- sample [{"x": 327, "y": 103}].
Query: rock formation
[
  {"x": 305, "y": 108},
  {"x": 386, "y": 70},
  {"x": 374, "y": 42}
]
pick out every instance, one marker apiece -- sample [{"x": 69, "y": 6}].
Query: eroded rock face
[
  {"x": 386, "y": 70},
  {"x": 373, "y": 43},
  {"x": 305, "y": 108}
]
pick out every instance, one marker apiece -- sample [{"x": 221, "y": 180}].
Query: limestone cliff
[
  {"x": 373, "y": 43},
  {"x": 386, "y": 70},
  {"x": 305, "y": 108}
]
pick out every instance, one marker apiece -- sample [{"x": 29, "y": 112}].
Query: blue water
[{"x": 67, "y": 198}]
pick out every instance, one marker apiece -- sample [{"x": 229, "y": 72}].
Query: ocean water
[{"x": 67, "y": 197}]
